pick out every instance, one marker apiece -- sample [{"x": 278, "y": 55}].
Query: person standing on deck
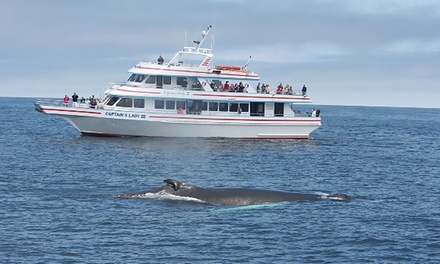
[
  {"x": 75, "y": 100},
  {"x": 304, "y": 90},
  {"x": 160, "y": 60},
  {"x": 66, "y": 100}
]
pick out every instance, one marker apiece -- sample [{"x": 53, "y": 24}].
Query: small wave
[
  {"x": 338, "y": 197},
  {"x": 324, "y": 195}
]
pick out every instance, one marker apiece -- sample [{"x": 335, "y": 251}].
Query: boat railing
[
  {"x": 60, "y": 102},
  {"x": 49, "y": 101},
  {"x": 109, "y": 88}
]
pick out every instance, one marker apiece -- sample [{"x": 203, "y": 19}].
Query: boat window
[
  {"x": 181, "y": 104},
  {"x": 139, "y": 103},
  {"x": 179, "y": 80},
  {"x": 125, "y": 102},
  {"x": 140, "y": 78},
  {"x": 233, "y": 107},
  {"x": 244, "y": 107},
  {"x": 112, "y": 101},
  {"x": 167, "y": 80},
  {"x": 204, "y": 106},
  {"x": 170, "y": 105},
  {"x": 223, "y": 107},
  {"x": 182, "y": 81},
  {"x": 213, "y": 106},
  {"x": 132, "y": 78},
  {"x": 159, "y": 104},
  {"x": 151, "y": 79}
]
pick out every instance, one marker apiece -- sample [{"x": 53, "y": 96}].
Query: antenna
[
  {"x": 247, "y": 63},
  {"x": 204, "y": 34}
]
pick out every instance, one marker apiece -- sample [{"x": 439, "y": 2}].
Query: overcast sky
[{"x": 347, "y": 52}]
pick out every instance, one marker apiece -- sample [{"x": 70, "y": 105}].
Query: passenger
[
  {"x": 267, "y": 90},
  {"x": 240, "y": 87},
  {"x": 258, "y": 88},
  {"x": 227, "y": 86},
  {"x": 280, "y": 88},
  {"x": 304, "y": 90},
  {"x": 75, "y": 100},
  {"x": 93, "y": 102},
  {"x": 313, "y": 112},
  {"x": 263, "y": 88},
  {"x": 160, "y": 60},
  {"x": 318, "y": 112},
  {"x": 220, "y": 88},
  {"x": 66, "y": 100},
  {"x": 236, "y": 88},
  {"x": 286, "y": 89},
  {"x": 83, "y": 100},
  {"x": 212, "y": 84},
  {"x": 239, "y": 110},
  {"x": 180, "y": 111},
  {"x": 184, "y": 83}
]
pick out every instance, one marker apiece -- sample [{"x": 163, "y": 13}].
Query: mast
[{"x": 204, "y": 34}]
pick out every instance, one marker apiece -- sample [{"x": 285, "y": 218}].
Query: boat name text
[
  {"x": 174, "y": 93},
  {"x": 125, "y": 115}
]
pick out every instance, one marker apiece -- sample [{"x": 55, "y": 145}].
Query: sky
[{"x": 347, "y": 52}]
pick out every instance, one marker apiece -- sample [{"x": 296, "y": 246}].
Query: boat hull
[{"x": 111, "y": 123}]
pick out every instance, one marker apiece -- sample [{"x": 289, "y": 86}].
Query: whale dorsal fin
[{"x": 173, "y": 184}]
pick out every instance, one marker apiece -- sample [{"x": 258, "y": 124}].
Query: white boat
[{"x": 187, "y": 97}]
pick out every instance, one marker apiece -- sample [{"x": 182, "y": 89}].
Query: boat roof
[{"x": 196, "y": 61}]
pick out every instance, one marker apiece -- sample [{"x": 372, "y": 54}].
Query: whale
[{"x": 229, "y": 196}]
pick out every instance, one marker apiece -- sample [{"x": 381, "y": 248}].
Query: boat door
[
  {"x": 257, "y": 109},
  {"x": 159, "y": 81},
  {"x": 279, "y": 109}
]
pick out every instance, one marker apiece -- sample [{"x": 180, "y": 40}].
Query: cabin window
[
  {"x": 139, "y": 103},
  {"x": 223, "y": 107},
  {"x": 170, "y": 105},
  {"x": 125, "y": 102},
  {"x": 182, "y": 81},
  {"x": 140, "y": 78},
  {"x": 204, "y": 106},
  {"x": 244, "y": 107},
  {"x": 181, "y": 104},
  {"x": 151, "y": 79},
  {"x": 159, "y": 104},
  {"x": 167, "y": 80},
  {"x": 233, "y": 107},
  {"x": 132, "y": 78},
  {"x": 213, "y": 106},
  {"x": 112, "y": 101}
]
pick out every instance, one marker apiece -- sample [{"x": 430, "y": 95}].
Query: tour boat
[{"x": 189, "y": 97}]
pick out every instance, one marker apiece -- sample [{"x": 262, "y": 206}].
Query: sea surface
[{"x": 57, "y": 188}]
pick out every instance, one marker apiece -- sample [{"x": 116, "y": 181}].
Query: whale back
[{"x": 232, "y": 196}]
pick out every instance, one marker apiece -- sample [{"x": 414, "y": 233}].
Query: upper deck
[{"x": 196, "y": 62}]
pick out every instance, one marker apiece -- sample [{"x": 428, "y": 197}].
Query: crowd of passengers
[
  {"x": 76, "y": 101},
  {"x": 261, "y": 88}
]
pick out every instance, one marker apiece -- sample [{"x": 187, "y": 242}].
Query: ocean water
[{"x": 56, "y": 191}]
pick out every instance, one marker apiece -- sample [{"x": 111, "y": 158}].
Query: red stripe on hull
[
  {"x": 71, "y": 111},
  {"x": 234, "y": 119}
]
